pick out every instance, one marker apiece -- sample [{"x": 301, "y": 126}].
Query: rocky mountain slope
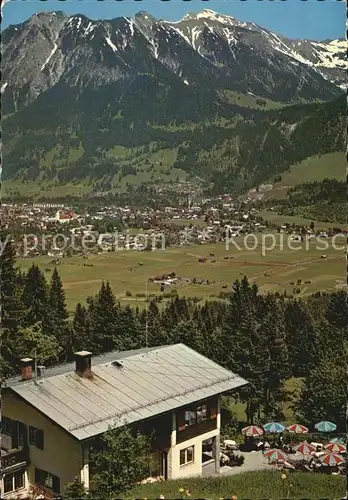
[
  {"x": 51, "y": 47},
  {"x": 75, "y": 90}
]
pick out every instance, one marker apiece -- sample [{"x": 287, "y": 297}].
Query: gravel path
[{"x": 253, "y": 461}]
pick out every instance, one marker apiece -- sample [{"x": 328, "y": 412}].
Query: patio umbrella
[
  {"x": 274, "y": 427},
  {"x": 252, "y": 431},
  {"x": 331, "y": 459},
  {"x": 297, "y": 429},
  {"x": 275, "y": 455},
  {"x": 304, "y": 448},
  {"x": 325, "y": 426},
  {"x": 335, "y": 447},
  {"x": 339, "y": 440}
]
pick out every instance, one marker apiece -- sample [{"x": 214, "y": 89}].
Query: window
[
  {"x": 7, "y": 426},
  {"x": 36, "y": 437},
  {"x": 187, "y": 455},
  {"x": 195, "y": 416},
  {"x": 202, "y": 413},
  {"x": 47, "y": 480},
  {"x": 13, "y": 481},
  {"x": 16, "y": 430},
  {"x": 19, "y": 480}
]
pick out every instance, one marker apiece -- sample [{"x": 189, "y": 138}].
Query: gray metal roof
[{"x": 144, "y": 383}]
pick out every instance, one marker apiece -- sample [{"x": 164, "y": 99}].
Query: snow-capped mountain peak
[
  {"x": 208, "y": 15},
  {"x": 241, "y": 56}
]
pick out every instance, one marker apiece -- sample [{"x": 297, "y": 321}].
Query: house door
[{"x": 164, "y": 471}]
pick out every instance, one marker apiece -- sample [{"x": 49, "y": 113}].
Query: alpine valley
[{"x": 138, "y": 100}]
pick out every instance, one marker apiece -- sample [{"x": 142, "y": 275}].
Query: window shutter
[
  {"x": 40, "y": 439},
  {"x": 56, "y": 484}
]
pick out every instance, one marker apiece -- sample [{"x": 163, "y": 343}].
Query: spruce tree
[
  {"x": 300, "y": 335},
  {"x": 76, "y": 335},
  {"x": 57, "y": 297},
  {"x": 11, "y": 303},
  {"x": 12, "y": 310},
  {"x": 35, "y": 296},
  {"x": 156, "y": 334},
  {"x": 324, "y": 392},
  {"x": 276, "y": 367},
  {"x": 242, "y": 346},
  {"x": 130, "y": 333},
  {"x": 103, "y": 315}
]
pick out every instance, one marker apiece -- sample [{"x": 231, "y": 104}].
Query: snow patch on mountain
[
  {"x": 55, "y": 46},
  {"x": 111, "y": 44}
]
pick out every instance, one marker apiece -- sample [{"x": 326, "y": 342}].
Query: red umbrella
[
  {"x": 331, "y": 459},
  {"x": 297, "y": 429},
  {"x": 335, "y": 447},
  {"x": 252, "y": 431},
  {"x": 305, "y": 448},
  {"x": 275, "y": 455}
]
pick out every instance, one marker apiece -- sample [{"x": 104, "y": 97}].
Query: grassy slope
[
  {"x": 315, "y": 168},
  {"x": 249, "y": 100},
  {"x": 274, "y": 271},
  {"x": 293, "y": 219},
  {"x": 255, "y": 485}
]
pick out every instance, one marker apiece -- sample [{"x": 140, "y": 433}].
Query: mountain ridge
[{"x": 73, "y": 90}]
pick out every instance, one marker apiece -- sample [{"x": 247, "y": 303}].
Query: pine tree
[
  {"x": 11, "y": 303},
  {"x": 35, "y": 296},
  {"x": 77, "y": 335},
  {"x": 57, "y": 301},
  {"x": 300, "y": 335},
  {"x": 152, "y": 317},
  {"x": 81, "y": 327},
  {"x": 242, "y": 346},
  {"x": 129, "y": 332},
  {"x": 276, "y": 367},
  {"x": 55, "y": 319},
  {"x": 324, "y": 392},
  {"x": 337, "y": 311},
  {"x": 12, "y": 310},
  {"x": 103, "y": 315}
]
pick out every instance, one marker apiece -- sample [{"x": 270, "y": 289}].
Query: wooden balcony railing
[{"x": 13, "y": 457}]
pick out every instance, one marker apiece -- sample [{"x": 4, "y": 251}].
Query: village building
[{"x": 52, "y": 417}]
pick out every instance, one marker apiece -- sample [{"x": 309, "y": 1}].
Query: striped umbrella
[
  {"x": 304, "y": 448},
  {"x": 331, "y": 459},
  {"x": 335, "y": 447},
  {"x": 252, "y": 431},
  {"x": 297, "y": 429},
  {"x": 275, "y": 455},
  {"x": 274, "y": 427},
  {"x": 325, "y": 426}
]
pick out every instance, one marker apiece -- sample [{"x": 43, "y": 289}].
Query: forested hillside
[
  {"x": 66, "y": 137},
  {"x": 265, "y": 339}
]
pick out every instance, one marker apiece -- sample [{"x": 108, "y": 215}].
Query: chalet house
[{"x": 52, "y": 417}]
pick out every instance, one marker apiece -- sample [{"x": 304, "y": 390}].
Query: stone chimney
[
  {"x": 27, "y": 368},
  {"x": 83, "y": 363}
]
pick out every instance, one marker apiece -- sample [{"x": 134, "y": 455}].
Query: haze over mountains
[{"x": 75, "y": 89}]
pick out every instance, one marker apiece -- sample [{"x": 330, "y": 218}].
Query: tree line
[{"x": 265, "y": 339}]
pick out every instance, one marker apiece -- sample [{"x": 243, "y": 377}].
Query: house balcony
[{"x": 11, "y": 458}]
